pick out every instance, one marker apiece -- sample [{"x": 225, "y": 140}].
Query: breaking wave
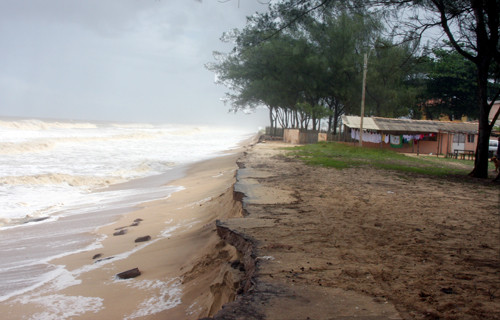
[
  {"x": 61, "y": 178},
  {"x": 26, "y": 147},
  {"x": 40, "y": 145},
  {"x": 33, "y": 124}
]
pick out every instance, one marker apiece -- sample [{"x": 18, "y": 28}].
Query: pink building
[
  {"x": 414, "y": 136},
  {"x": 493, "y": 111}
]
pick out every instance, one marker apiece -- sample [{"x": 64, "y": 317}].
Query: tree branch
[
  {"x": 444, "y": 23},
  {"x": 290, "y": 23},
  {"x": 495, "y": 118}
]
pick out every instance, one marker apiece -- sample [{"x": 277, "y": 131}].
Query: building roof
[
  {"x": 402, "y": 126},
  {"x": 354, "y": 122}
]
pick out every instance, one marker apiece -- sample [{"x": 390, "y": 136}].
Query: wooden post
[
  {"x": 438, "y": 141},
  {"x": 365, "y": 68},
  {"x": 449, "y": 141}
]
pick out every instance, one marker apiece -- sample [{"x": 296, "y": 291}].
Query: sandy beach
[
  {"x": 362, "y": 243},
  {"x": 184, "y": 265}
]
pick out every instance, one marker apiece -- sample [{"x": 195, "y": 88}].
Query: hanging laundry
[
  {"x": 407, "y": 138},
  {"x": 396, "y": 141}
]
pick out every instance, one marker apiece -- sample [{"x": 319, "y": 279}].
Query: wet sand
[{"x": 184, "y": 266}]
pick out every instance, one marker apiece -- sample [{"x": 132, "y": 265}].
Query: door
[{"x": 458, "y": 142}]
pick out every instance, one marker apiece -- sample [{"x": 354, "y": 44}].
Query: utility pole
[{"x": 363, "y": 89}]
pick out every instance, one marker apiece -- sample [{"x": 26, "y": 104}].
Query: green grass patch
[{"x": 341, "y": 156}]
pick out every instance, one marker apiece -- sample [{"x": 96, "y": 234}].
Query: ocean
[{"x": 61, "y": 180}]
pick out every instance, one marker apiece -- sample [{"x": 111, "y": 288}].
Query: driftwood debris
[
  {"x": 132, "y": 273},
  {"x": 143, "y": 239},
  {"x": 120, "y": 233}
]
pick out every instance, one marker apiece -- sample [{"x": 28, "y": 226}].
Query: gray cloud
[{"x": 130, "y": 60}]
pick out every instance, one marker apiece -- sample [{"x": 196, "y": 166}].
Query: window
[
  {"x": 470, "y": 138},
  {"x": 430, "y": 137},
  {"x": 459, "y": 138}
]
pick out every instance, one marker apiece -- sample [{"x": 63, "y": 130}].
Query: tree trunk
[
  {"x": 271, "y": 120},
  {"x": 335, "y": 120},
  {"x": 481, "y": 162},
  {"x": 279, "y": 117}
]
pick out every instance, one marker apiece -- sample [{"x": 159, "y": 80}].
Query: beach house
[{"x": 453, "y": 139}]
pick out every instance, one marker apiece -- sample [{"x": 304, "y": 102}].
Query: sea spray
[
  {"x": 60, "y": 181},
  {"x": 66, "y": 161}
]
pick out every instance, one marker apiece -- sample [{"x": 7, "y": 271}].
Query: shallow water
[
  {"x": 60, "y": 181},
  {"x": 66, "y": 161}
]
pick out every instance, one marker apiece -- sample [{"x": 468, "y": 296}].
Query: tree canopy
[
  {"x": 451, "y": 86},
  {"x": 303, "y": 60},
  {"x": 312, "y": 71}
]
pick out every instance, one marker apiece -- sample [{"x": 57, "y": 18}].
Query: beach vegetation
[{"x": 342, "y": 156}]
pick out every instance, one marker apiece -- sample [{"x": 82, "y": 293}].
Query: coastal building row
[
  {"x": 414, "y": 136},
  {"x": 450, "y": 138}
]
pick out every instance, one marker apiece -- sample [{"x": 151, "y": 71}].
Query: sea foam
[
  {"x": 67, "y": 161},
  {"x": 168, "y": 295},
  {"x": 58, "y": 306},
  {"x": 60, "y": 181}
]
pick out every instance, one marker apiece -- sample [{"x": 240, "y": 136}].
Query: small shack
[
  {"x": 414, "y": 136},
  {"x": 302, "y": 136}
]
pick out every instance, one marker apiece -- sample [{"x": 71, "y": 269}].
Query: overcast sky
[{"x": 119, "y": 60}]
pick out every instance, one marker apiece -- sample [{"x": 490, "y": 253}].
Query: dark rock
[
  {"x": 143, "y": 239},
  {"x": 132, "y": 273},
  {"x": 97, "y": 256},
  {"x": 136, "y": 222},
  {"x": 120, "y": 233}
]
